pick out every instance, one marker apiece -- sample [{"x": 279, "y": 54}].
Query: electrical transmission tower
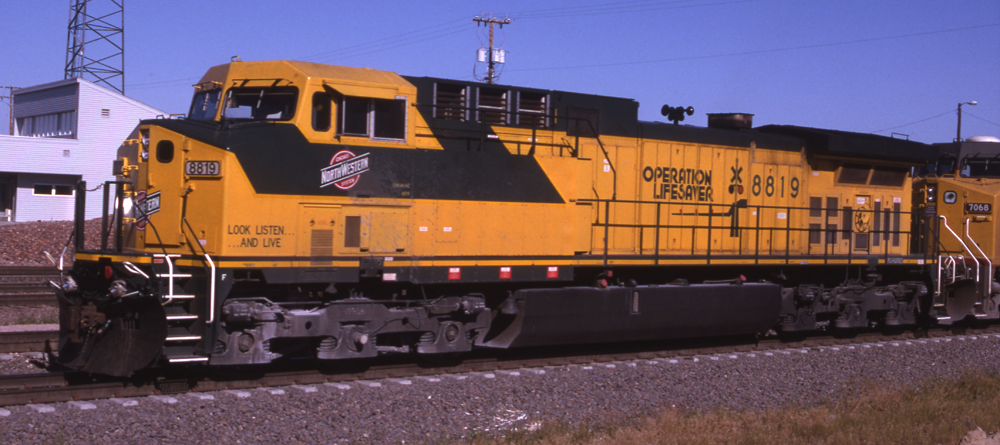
[
  {"x": 97, "y": 26},
  {"x": 494, "y": 56}
]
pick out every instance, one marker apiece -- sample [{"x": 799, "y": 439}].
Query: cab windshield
[
  {"x": 980, "y": 168},
  {"x": 943, "y": 166},
  {"x": 277, "y": 103},
  {"x": 205, "y": 104}
]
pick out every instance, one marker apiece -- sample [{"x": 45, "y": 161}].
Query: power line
[
  {"x": 617, "y": 8},
  {"x": 394, "y": 45},
  {"x": 977, "y": 117},
  {"x": 762, "y": 51},
  {"x": 423, "y": 34},
  {"x": 161, "y": 83},
  {"x": 917, "y": 122}
]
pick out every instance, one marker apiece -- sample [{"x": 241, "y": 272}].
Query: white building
[{"x": 65, "y": 131}]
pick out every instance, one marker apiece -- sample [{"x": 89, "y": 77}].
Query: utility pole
[
  {"x": 10, "y": 100},
  {"x": 491, "y": 56},
  {"x": 958, "y": 137}
]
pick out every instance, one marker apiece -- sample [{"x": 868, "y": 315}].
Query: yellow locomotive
[{"x": 306, "y": 210}]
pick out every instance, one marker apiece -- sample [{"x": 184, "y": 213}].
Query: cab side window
[
  {"x": 383, "y": 119},
  {"x": 321, "y": 111}
]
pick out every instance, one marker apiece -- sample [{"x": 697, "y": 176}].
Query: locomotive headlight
[
  {"x": 144, "y": 150},
  {"x": 931, "y": 194}
]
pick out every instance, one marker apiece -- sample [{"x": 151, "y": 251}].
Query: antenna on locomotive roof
[{"x": 494, "y": 56}]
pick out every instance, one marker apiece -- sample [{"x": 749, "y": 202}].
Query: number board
[
  {"x": 978, "y": 207},
  {"x": 201, "y": 168}
]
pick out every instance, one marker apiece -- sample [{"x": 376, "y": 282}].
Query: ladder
[{"x": 180, "y": 342}]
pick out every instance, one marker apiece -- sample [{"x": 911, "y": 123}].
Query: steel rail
[
  {"x": 27, "y": 286},
  {"x": 28, "y": 341},
  {"x": 63, "y": 387},
  {"x": 32, "y": 299}
]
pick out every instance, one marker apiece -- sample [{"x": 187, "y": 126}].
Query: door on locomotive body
[
  {"x": 606, "y": 175},
  {"x": 162, "y": 188},
  {"x": 894, "y": 222},
  {"x": 376, "y": 230},
  {"x": 319, "y": 227},
  {"x": 872, "y": 220},
  {"x": 775, "y": 202},
  {"x": 624, "y": 237},
  {"x": 889, "y": 225}
]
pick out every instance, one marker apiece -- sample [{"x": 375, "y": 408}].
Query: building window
[
  {"x": 105, "y": 112},
  {"x": 373, "y": 118},
  {"x": 53, "y": 190},
  {"x": 55, "y": 125}
]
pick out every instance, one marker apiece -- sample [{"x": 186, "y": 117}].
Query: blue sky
[{"x": 865, "y": 66}]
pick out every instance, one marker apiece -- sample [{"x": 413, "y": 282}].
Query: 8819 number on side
[{"x": 201, "y": 168}]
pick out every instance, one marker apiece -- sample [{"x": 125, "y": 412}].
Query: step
[
  {"x": 184, "y": 338},
  {"x": 188, "y": 359},
  {"x": 173, "y": 275}
]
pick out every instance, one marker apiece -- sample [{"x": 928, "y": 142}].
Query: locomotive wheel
[{"x": 130, "y": 339}]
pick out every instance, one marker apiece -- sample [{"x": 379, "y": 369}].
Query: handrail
[
  {"x": 989, "y": 264},
  {"x": 944, "y": 261},
  {"x": 534, "y": 126},
  {"x": 211, "y": 292},
  {"x": 170, "y": 275},
  {"x": 743, "y": 230},
  {"x": 119, "y": 215},
  {"x": 966, "y": 247}
]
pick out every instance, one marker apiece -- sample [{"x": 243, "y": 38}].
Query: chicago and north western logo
[
  {"x": 145, "y": 205},
  {"x": 345, "y": 170}
]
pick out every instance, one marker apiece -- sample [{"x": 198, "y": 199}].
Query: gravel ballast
[
  {"x": 451, "y": 407},
  {"x": 28, "y": 315}
]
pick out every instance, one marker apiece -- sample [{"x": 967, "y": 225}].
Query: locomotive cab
[{"x": 960, "y": 191}]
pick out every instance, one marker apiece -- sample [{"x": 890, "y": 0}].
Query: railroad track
[
  {"x": 64, "y": 387},
  {"x": 28, "y": 341},
  {"x": 27, "y": 285}
]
